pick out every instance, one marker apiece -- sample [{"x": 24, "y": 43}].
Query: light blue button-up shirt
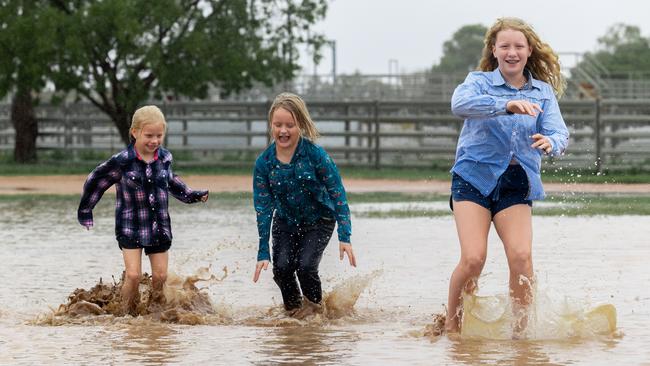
[{"x": 491, "y": 137}]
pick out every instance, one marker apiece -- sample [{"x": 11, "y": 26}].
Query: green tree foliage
[
  {"x": 463, "y": 51},
  {"x": 26, "y": 45},
  {"x": 623, "y": 51},
  {"x": 120, "y": 53}
]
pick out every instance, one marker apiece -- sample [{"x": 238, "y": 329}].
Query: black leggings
[{"x": 298, "y": 250}]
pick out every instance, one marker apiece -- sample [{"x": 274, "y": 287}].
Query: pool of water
[{"x": 406, "y": 264}]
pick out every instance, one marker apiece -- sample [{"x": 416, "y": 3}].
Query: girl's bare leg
[
  {"x": 132, "y": 275},
  {"x": 159, "y": 263},
  {"x": 473, "y": 224},
  {"x": 514, "y": 226}
]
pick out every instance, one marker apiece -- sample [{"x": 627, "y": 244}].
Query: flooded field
[{"x": 379, "y": 312}]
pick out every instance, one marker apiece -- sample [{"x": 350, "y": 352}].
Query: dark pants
[{"x": 298, "y": 250}]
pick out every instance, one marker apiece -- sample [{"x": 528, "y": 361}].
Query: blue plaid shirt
[
  {"x": 141, "y": 211},
  {"x": 301, "y": 192},
  {"x": 491, "y": 137}
]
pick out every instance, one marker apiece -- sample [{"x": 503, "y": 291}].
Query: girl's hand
[
  {"x": 523, "y": 107},
  {"x": 347, "y": 249},
  {"x": 258, "y": 268},
  {"x": 204, "y": 198},
  {"x": 542, "y": 142}
]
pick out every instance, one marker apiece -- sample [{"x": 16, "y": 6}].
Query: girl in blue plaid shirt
[
  {"x": 143, "y": 178},
  {"x": 512, "y": 118},
  {"x": 298, "y": 187}
]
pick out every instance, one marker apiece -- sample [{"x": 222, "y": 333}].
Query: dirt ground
[{"x": 72, "y": 184}]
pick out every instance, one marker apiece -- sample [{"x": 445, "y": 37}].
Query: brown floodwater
[{"x": 58, "y": 281}]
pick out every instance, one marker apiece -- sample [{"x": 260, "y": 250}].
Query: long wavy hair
[
  {"x": 298, "y": 109},
  {"x": 543, "y": 62}
]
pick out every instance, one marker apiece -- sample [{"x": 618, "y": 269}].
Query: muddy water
[{"x": 386, "y": 303}]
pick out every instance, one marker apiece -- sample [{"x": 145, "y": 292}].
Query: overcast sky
[{"x": 375, "y": 35}]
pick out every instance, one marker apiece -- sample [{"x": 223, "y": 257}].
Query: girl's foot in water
[{"x": 307, "y": 309}]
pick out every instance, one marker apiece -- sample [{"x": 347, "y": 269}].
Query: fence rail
[{"x": 610, "y": 133}]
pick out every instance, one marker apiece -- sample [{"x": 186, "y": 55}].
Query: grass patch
[
  {"x": 62, "y": 164},
  {"x": 596, "y": 204},
  {"x": 566, "y": 204},
  {"x": 388, "y": 197}
]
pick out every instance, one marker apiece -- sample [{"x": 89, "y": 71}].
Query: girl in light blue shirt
[{"x": 511, "y": 118}]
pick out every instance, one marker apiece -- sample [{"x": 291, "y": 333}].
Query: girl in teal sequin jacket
[{"x": 297, "y": 186}]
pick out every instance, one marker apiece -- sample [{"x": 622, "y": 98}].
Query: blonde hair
[
  {"x": 149, "y": 114},
  {"x": 543, "y": 62},
  {"x": 298, "y": 109}
]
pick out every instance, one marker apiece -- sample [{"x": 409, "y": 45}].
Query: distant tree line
[
  {"x": 622, "y": 51},
  {"x": 117, "y": 54}
]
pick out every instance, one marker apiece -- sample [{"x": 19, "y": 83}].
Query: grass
[
  {"x": 548, "y": 175},
  {"x": 565, "y": 204}
]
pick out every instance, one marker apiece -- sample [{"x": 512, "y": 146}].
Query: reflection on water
[
  {"x": 309, "y": 346},
  {"x": 474, "y": 352},
  {"x": 373, "y": 311},
  {"x": 149, "y": 343}
]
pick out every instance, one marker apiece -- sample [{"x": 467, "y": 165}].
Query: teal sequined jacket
[{"x": 301, "y": 192}]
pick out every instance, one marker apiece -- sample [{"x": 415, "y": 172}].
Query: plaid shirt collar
[{"x": 137, "y": 154}]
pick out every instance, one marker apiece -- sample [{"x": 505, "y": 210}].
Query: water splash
[
  {"x": 338, "y": 305},
  {"x": 187, "y": 304},
  {"x": 548, "y": 318},
  {"x": 184, "y": 303},
  {"x": 341, "y": 300}
]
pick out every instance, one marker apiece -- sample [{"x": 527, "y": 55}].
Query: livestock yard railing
[{"x": 605, "y": 134}]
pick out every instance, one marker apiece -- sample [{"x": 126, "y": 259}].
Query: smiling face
[
  {"x": 511, "y": 49},
  {"x": 284, "y": 130},
  {"x": 148, "y": 138}
]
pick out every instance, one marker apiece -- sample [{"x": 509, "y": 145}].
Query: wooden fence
[{"x": 610, "y": 134}]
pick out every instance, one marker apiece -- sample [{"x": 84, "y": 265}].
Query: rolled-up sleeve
[
  {"x": 553, "y": 127},
  {"x": 469, "y": 100}
]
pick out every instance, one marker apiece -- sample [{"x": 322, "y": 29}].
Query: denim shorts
[
  {"x": 511, "y": 189},
  {"x": 149, "y": 249}
]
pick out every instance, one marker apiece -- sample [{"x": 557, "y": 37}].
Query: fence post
[
  {"x": 184, "y": 125},
  {"x": 599, "y": 161},
  {"x": 267, "y": 107},
  {"x": 369, "y": 136},
  {"x": 347, "y": 132},
  {"x": 67, "y": 129},
  {"x": 249, "y": 129},
  {"x": 376, "y": 122}
]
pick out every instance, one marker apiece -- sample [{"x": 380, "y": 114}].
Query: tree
[
  {"x": 25, "y": 47},
  {"x": 463, "y": 51},
  {"x": 120, "y": 53},
  {"x": 623, "y": 52}
]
